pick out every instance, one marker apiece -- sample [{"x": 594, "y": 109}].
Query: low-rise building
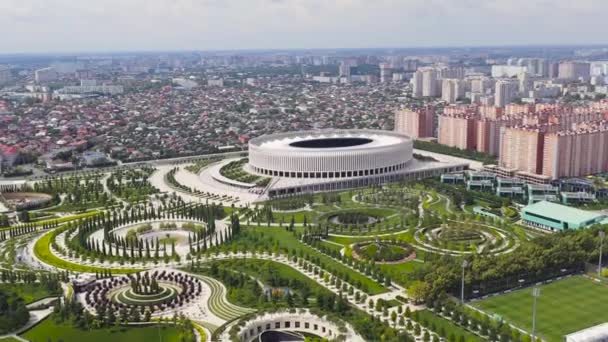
[{"x": 557, "y": 217}]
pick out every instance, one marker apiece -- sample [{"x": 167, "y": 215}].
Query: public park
[{"x": 200, "y": 251}]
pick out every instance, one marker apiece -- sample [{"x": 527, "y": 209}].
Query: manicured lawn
[
  {"x": 29, "y": 292},
  {"x": 282, "y": 239},
  {"x": 438, "y": 204},
  {"x": 400, "y": 272},
  {"x": 43, "y": 252},
  {"x": 61, "y": 219},
  {"x": 445, "y": 325},
  {"x": 253, "y": 268},
  {"x": 347, "y": 240},
  {"x": 331, "y": 246},
  {"x": 201, "y": 331},
  {"x": 564, "y": 307},
  {"x": 298, "y": 216},
  {"x": 9, "y": 339},
  {"x": 50, "y": 330}
]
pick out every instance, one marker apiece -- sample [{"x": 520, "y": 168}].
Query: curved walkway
[
  {"x": 503, "y": 249},
  {"x": 217, "y": 310},
  {"x": 217, "y": 302}
]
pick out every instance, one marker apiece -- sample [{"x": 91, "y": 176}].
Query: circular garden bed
[
  {"x": 457, "y": 238},
  {"x": 360, "y": 220},
  {"x": 126, "y": 295},
  {"x": 353, "y": 218},
  {"x": 156, "y": 291},
  {"x": 383, "y": 251}
]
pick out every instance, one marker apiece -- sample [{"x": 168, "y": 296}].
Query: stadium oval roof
[{"x": 329, "y": 140}]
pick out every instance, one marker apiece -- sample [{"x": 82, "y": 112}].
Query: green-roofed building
[{"x": 558, "y": 217}]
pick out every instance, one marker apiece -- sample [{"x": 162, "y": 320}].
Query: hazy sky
[{"x": 107, "y": 25}]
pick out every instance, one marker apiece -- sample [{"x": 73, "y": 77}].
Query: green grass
[
  {"x": 49, "y": 329},
  {"x": 42, "y": 250},
  {"x": 381, "y": 213},
  {"x": 260, "y": 270},
  {"x": 331, "y": 246},
  {"x": 279, "y": 237},
  {"x": 447, "y": 325},
  {"x": 563, "y": 307},
  {"x": 66, "y": 208},
  {"x": 218, "y": 304},
  {"x": 440, "y": 206},
  {"x": 347, "y": 240},
  {"x": 201, "y": 164},
  {"x": 60, "y": 220},
  {"x": 400, "y": 272},
  {"x": 298, "y": 216},
  {"x": 29, "y": 292},
  {"x": 9, "y": 339},
  {"x": 201, "y": 331},
  {"x": 168, "y": 241},
  {"x": 281, "y": 270}
]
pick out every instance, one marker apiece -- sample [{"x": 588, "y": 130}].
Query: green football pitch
[
  {"x": 49, "y": 330},
  {"x": 564, "y": 307}
]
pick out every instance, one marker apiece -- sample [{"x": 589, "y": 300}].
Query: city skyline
[{"x": 42, "y": 26}]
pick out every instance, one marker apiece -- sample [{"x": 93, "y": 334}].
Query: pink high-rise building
[
  {"x": 490, "y": 112},
  {"x": 457, "y": 131},
  {"x": 513, "y": 108},
  {"x": 417, "y": 123},
  {"x": 488, "y": 133},
  {"x": 461, "y": 109},
  {"x": 575, "y": 154},
  {"x": 521, "y": 149}
]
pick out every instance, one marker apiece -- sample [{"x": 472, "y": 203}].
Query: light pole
[
  {"x": 535, "y": 294},
  {"x": 464, "y": 265},
  {"x": 599, "y": 269}
]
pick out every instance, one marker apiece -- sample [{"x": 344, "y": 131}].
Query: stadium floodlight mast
[
  {"x": 535, "y": 294},
  {"x": 465, "y": 264},
  {"x": 599, "y": 269}
]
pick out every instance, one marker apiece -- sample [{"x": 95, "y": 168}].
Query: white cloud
[{"x": 79, "y": 25}]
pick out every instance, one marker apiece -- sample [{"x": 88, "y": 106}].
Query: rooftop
[
  {"x": 329, "y": 140},
  {"x": 595, "y": 333},
  {"x": 562, "y": 212}
]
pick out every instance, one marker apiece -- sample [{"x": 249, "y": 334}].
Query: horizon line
[{"x": 429, "y": 47}]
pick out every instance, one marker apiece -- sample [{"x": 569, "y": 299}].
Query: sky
[{"x": 38, "y": 26}]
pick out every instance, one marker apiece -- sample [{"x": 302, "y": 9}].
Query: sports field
[
  {"x": 564, "y": 307},
  {"x": 49, "y": 330}
]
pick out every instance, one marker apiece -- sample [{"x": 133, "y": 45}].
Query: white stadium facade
[
  {"x": 329, "y": 154},
  {"x": 326, "y": 160}
]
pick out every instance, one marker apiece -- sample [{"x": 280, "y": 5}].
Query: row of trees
[
  {"x": 292, "y": 203},
  {"x": 369, "y": 268},
  {"x": 82, "y": 244},
  {"x": 13, "y": 312},
  {"x": 74, "y": 312},
  {"x": 132, "y": 184},
  {"x": 26, "y": 229},
  {"x": 78, "y": 192},
  {"x": 542, "y": 258},
  {"x": 493, "y": 330},
  {"x": 285, "y": 291}
]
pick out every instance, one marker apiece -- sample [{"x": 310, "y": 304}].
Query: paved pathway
[
  {"x": 201, "y": 312},
  {"x": 35, "y": 317},
  {"x": 202, "y": 182}
]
